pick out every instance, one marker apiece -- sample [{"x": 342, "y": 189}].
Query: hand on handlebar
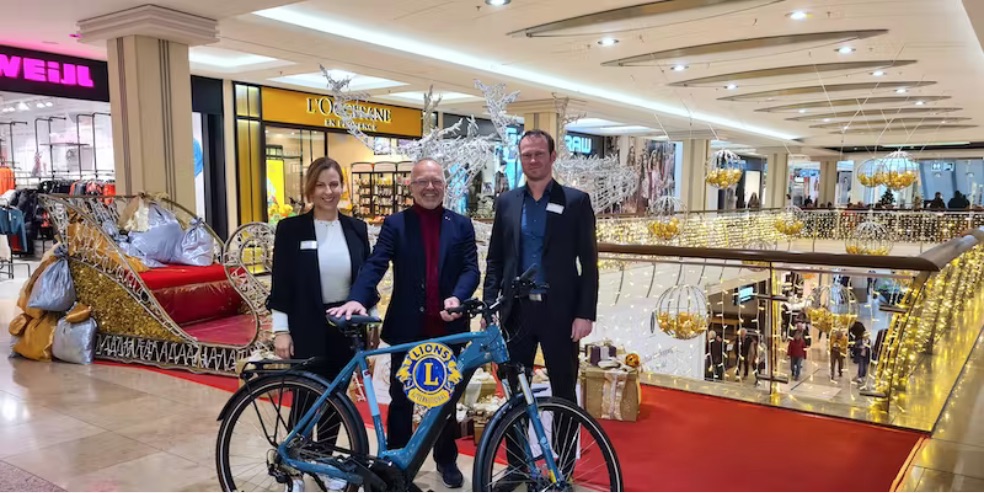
[
  {"x": 449, "y": 303},
  {"x": 347, "y": 310}
]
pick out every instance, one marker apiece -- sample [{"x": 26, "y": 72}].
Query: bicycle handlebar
[{"x": 522, "y": 286}]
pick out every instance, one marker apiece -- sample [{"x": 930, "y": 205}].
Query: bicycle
[{"x": 542, "y": 457}]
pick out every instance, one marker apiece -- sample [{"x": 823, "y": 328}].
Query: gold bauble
[{"x": 682, "y": 326}]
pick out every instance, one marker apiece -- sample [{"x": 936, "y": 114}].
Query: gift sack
[
  {"x": 611, "y": 394},
  {"x": 162, "y": 237},
  {"x": 196, "y": 246},
  {"x": 36, "y": 341},
  {"x": 75, "y": 342},
  {"x": 55, "y": 291},
  {"x": 138, "y": 257}
]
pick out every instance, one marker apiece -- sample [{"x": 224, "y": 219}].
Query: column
[
  {"x": 828, "y": 182},
  {"x": 777, "y": 183},
  {"x": 150, "y": 96},
  {"x": 694, "y": 191}
]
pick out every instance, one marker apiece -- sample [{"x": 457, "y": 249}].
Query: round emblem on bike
[{"x": 429, "y": 373}]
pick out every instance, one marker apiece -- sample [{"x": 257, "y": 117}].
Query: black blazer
[
  {"x": 400, "y": 242},
  {"x": 570, "y": 242},
  {"x": 296, "y": 286}
]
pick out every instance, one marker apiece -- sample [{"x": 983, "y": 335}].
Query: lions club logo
[{"x": 429, "y": 373}]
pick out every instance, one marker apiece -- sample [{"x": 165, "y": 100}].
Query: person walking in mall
[
  {"x": 862, "y": 356},
  {"x": 838, "y": 347},
  {"x": 550, "y": 227},
  {"x": 435, "y": 267},
  {"x": 315, "y": 258},
  {"x": 797, "y": 353}
]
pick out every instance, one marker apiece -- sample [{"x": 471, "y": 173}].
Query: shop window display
[{"x": 288, "y": 152}]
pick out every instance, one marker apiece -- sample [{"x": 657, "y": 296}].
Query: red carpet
[{"x": 690, "y": 442}]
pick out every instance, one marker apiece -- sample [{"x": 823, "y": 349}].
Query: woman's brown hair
[{"x": 314, "y": 171}]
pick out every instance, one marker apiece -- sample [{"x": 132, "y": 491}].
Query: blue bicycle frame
[{"x": 487, "y": 346}]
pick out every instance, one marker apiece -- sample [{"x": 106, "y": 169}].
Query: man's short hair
[{"x": 542, "y": 134}]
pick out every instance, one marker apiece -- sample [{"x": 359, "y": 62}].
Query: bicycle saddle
[{"x": 352, "y": 323}]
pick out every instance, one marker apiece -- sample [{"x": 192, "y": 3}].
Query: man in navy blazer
[{"x": 435, "y": 267}]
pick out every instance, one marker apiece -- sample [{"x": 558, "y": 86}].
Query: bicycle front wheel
[{"x": 511, "y": 458}]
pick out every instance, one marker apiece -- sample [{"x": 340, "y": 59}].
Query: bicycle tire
[
  {"x": 486, "y": 455},
  {"x": 352, "y": 423}
]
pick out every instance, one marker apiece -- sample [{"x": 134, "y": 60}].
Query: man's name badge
[{"x": 555, "y": 208}]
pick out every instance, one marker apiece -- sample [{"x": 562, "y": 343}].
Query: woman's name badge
[{"x": 309, "y": 245}]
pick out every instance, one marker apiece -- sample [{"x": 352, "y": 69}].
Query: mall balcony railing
[
  {"x": 738, "y": 228},
  {"x": 929, "y": 306}
]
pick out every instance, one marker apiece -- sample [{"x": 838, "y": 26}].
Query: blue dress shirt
[{"x": 534, "y": 229}]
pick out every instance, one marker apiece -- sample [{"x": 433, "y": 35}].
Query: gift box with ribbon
[{"x": 611, "y": 394}]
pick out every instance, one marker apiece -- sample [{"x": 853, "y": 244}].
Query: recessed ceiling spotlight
[
  {"x": 22, "y": 107},
  {"x": 901, "y": 90},
  {"x": 608, "y": 41},
  {"x": 731, "y": 87},
  {"x": 679, "y": 68},
  {"x": 943, "y": 122},
  {"x": 878, "y": 73},
  {"x": 497, "y": 3},
  {"x": 845, "y": 50},
  {"x": 49, "y": 104},
  {"x": 825, "y": 120},
  {"x": 798, "y": 15},
  {"x": 920, "y": 103},
  {"x": 802, "y": 110},
  {"x": 40, "y": 105}
]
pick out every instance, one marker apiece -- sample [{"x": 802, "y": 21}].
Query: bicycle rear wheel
[
  {"x": 257, "y": 422},
  {"x": 511, "y": 459}
]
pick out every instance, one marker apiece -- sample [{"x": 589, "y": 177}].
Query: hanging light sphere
[
  {"x": 791, "y": 221},
  {"x": 832, "y": 308},
  {"x": 724, "y": 170},
  {"x": 900, "y": 170},
  {"x": 869, "y": 238},
  {"x": 871, "y": 173},
  {"x": 681, "y": 312},
  {"x": 668, "y": 213}
]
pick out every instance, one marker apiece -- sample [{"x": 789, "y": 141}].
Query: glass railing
[{"x": 921, "y": 313}]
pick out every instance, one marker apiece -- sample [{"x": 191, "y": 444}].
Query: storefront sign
[
  {"x": 938, "y": 166},
  {"x": 583, "y": 144},
  {"x": 300, "y": 108},
  {"x": 47, "y": 74}
]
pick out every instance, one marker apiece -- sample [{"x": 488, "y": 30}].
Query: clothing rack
[{"x": 12, "y": 223}]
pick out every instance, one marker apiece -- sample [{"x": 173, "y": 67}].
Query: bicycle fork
[{"x": 541, "y": 435}]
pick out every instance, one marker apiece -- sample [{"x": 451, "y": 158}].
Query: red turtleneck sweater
[{"x": 430, "y": 233}]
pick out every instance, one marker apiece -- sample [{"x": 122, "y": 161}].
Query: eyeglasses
[{"x": 423, "y": 183}]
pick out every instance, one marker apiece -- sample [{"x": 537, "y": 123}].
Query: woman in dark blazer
[{"x": 316, "y": 257}]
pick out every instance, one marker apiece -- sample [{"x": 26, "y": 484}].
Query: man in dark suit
[
  {"x": 435, "y": 267},
  {"x": 552, "y": 227}
]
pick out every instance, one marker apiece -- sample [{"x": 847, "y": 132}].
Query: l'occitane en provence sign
[{"x": 316, "y": 110}]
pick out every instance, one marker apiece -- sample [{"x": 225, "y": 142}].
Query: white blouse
[{"x": 334, "y": 264}]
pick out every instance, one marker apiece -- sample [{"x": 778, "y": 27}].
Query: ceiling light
[
  {"x": 497, "y": 3},
  {"x": 229, "y": 59},
  {"x": 825, "y": 120},
  {"x": 901, "y": 90},
  {"x": 679, "y": 68},
  {"x": 303, "y": 17},
  {"x": 845, "y": 50},
  {"x": 606, "y": 41},
  {"x": 22, "y": 107},
  {"x": 920, "y": 103},
  {"x": 799, "y": 15},
  {"x": 40, "y": 105},
  {"x": 731, "y": 87},
  {"x": 357, "y": 82},
  {"x": 878, "y": 73},
  {"x": 418, "y": 96},
  {"x": 803, "y": 110},
  {"x": 49, "y": 104}
]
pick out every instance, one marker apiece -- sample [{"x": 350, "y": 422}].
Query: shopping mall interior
[{"x": 789, "y": 215}]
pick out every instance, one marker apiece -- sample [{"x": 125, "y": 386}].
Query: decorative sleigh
[{"x": 202, "y": 319}]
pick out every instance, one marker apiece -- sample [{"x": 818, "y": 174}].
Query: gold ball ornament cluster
[
  {"x": 832, "y": 308},
  {"x": 790, "y": 221},
  {"x": 869, "y": 238},
  {"x": 681, "y": 312},
  {"x": 724, "y": 169},
  {"x": 669, "y": 214}
]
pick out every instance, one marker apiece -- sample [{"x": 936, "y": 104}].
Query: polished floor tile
[
  {"x": 932, "y": 480},
  {"x": 160, "y": 471},
  {"x": 952, "y": 457},
  {"x": 79, "y": 457}
]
